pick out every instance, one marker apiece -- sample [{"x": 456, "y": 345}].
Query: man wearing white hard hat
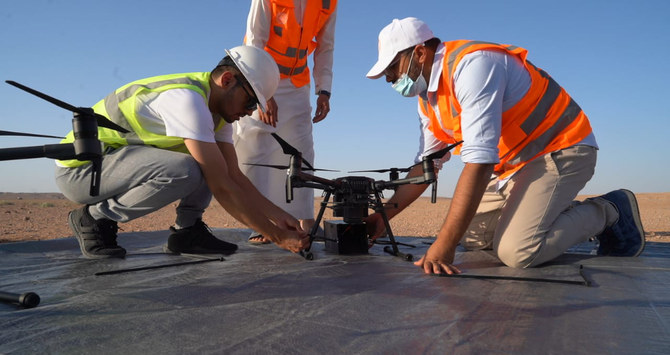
[
  {"x": 528, "y": 150},
  {"x": 179, "y": 147}
]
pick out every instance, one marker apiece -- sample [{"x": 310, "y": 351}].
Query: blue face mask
[{"x": 408, "y": 87}]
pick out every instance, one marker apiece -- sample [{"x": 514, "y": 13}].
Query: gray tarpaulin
[{"x": 266, "y": 300}]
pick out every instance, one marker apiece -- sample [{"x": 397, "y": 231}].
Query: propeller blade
[
  {"x": 102, "y": 120},
  {"x": 105, "y": 122},
  {"x": 290, "y": 150},
  {"x": 440, "y": 153},
  {"x": 46, "y": 97},
  {"x": 401, "y": 170},
  {"x": 9, "y": 133},
  {"x": 317, "y": 169},
  {"x": 282, "y": 167},
  {"x": 285, "y": 146}
]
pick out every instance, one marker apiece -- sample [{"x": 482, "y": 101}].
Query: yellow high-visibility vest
[{"x": 121, "y": 108}]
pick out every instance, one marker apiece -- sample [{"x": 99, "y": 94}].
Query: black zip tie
[
  {"x": 156, "y": 266},
  {"x": 586, "y": 282}
]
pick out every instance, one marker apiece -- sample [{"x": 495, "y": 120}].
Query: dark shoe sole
[{"x": 635, "y": 210}]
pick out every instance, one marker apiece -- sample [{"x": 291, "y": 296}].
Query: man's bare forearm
[
  {"x": 467, "y": 196},
  {"x": 405, "y": 194}
]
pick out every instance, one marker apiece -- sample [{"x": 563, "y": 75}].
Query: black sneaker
[
  {"x": 197, "y": 239},
  {"x": 626, "y": 236},
  {"x": 97, "y": 238}
]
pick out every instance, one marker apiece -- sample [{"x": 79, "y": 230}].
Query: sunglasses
[{"x": 252, "y": 103}]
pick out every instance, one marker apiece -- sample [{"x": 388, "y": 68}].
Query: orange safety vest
[
  {"x": 289, "y": 43},
  {"x": 546, "y": 119}
]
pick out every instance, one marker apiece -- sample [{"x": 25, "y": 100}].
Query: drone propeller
[
  {"x": 283, "y": 167},
  {"x": 440, "y": 153},
  {"x": 290, "y": 150},
  {"x": 9, "y": 133},
  {"x": 101, "y": 120},
  {"x": 401, "y": 170}
]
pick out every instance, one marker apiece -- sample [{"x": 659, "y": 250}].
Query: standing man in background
[{"x": 290, "y": 30}]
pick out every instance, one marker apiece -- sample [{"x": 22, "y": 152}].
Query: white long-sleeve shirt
[
  {"x": 486, "y": 83},
  {"x": 258, "y": 33}
]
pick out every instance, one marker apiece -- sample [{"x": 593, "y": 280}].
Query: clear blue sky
[{"x": 611, "y": 56}]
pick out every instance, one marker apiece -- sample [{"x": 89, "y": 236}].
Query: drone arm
[
  {"x": 297, "y": 178},
  {"x": 406, "y": 193},
  {"x": 53, "y": 151},
  {"x": 415, "y": 180},
  {"x": 323, "y": 183}
]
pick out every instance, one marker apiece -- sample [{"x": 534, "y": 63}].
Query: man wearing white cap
[
  {"x": 528, "y": 150},
  {"x": 178, "y": 146}
]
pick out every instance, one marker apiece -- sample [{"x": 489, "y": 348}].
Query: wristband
[{"x": 324, "y": 92}]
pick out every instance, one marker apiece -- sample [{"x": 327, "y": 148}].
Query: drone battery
[{"x": 345, "y": 238}]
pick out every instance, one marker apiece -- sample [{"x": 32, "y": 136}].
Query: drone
[
  {"x": 86, "y": 145},
  {"x": 352, "y": 197}
]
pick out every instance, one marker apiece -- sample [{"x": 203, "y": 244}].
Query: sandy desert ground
[{"x": 44, "y": 216}]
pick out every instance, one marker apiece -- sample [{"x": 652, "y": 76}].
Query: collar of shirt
[{"x": 435, "y": 73}]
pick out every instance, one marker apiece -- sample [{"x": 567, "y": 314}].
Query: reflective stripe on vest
[
  {"x": 289, "y": 43},
  {"x": 546, "y": 119},
  {"x": 121, "y": 108}
]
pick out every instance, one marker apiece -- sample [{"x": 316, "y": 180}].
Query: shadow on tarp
[{"x": 266, "y": 300}]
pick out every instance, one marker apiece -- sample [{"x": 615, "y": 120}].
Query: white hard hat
[{"x": 260, "y": 70}]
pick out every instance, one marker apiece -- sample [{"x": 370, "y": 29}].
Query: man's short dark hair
[{"x": 225, "y": 64}]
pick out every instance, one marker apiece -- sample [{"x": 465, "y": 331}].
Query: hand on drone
[
  {"x": 293, "y": 237},
  {"x": 438, "y": 259},
  {"x": 293, "y": 240}
]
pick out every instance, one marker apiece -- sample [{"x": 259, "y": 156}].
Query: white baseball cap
[{"x": 396, "y": 37}]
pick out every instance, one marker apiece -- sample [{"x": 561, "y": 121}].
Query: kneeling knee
[{"x": 514, "y": 257}]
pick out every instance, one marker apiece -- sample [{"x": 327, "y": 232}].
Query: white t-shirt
[
  {"x": 486, "y": 84},
  {"x": 181, "y": 113}
]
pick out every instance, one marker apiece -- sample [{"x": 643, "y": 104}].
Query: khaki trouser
[{"x": 533, "y": 218}]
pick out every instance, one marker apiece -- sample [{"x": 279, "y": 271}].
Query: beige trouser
[{"x": 533, "y": 218}]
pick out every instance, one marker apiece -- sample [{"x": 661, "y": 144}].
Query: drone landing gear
[
  {"x": 349, "y": 236},
  {"x": 393, "y": 248}
]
